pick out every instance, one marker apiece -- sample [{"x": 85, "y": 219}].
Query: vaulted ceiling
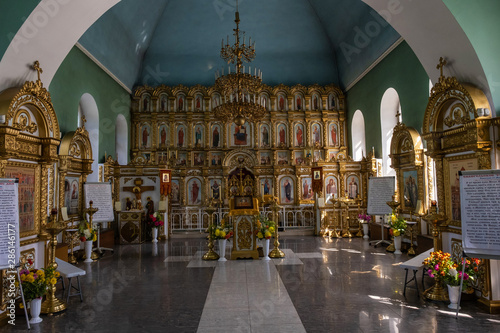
[{"x": 178, "y": 42}]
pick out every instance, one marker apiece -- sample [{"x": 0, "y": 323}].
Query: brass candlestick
[
  {"x": 52, "y": 304},
  {"x": 276, "y": 252},
  {"x": 394, "y": 205},
  {"x": 437, "y": 292},
  {"x": 91, "y": 211},
  {"x": 346, "y": 231},
  {"x": 360, "y": 233},
  {"x": 411, "y": 251},
  {"x": 211, "y": 254},
  {"x": 334, "y": 233},
  {"x": 71, "y": 240}
]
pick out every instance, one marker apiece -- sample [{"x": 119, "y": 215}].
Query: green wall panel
[
  {"x": 12, "y": 17},
  {"x": 479, "y": 20},
  {"x": 78, "y": 75},
  {"x": 402, "y": 71}
]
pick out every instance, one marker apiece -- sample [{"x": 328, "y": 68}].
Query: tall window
[
  {"x": 389, "y": 108},
  {"x": 121, "y": 139},
  {"x": 88, "y": 108},
  {"x": 358, "y": 136}
]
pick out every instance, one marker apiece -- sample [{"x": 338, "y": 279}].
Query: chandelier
[{"x": 240, "y": 101}]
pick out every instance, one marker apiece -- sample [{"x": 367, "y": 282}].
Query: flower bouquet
[
  {"x": 364, "y": 218},
  {"x": 222, "y": 231},
  {"x": 36, "y": 282},
  {"x": 398, "y": 225},
  {"x": 441, "y": 265},
  {"x": 155, "y": 220},
  {"x": 264, "y": 228},
  {"x": 87, "y": 233}
]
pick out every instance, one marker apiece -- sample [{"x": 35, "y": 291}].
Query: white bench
[
  {"x": 415, "y": 264},
  {"x": 70, "y": 271}
]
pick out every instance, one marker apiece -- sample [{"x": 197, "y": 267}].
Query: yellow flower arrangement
[
  {"x": 35, "y": 282},
  {"x": 264, "y": 227}
]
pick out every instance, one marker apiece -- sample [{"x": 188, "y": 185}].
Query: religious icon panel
[
  {"x": 299, "y": 157},
  {"x": 265, "y": 158},
  {"x": 332, "y": 134},
  {"x": 316, "y": 134},
  {"x": 286, "y": 191},
  {"x": 215, "y": 158},
  {"x": 181, "y": 136},
  {"x": 163, "y": 136},
  {"x": 176, "y": 191},
  {"x": 216, "y": 136},
  {"x": 71, "y": 194},
  {"x": 298, "y": 101},
  {"x": 266, "y": 186},
  {"x": 283, "y": 157},
  {"x": 215, "y": 191},
  {"x": 306, "y": 189},
  {"x": 240, "y": 135},
  {"x": 281, "y": 139},
  {"x": 352, "y": 187},
  {"x": 298, "y": 137},
  {"x": 194, "y": 191},
  {"x": 455, "y": 165},
  {"x": 199, "y": 135},
  {"x": 182, "y": 159},
  {"x": 198, "y": 158},
  {"x": 145, "y": 136},
  {"x": 410, "y": 189},
  {"x": 331, "y": 188},
  {"x": 163, "y": 103},
  {"x": 264, "y": 135},
  {"x": 180, "y": 103},
  {"x": 198, "y": 104}
]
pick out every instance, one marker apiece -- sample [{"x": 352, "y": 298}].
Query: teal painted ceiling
[{"x": 297, "y": 41}]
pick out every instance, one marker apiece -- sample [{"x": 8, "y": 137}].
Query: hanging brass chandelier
[{"x": 240, "y": 88}]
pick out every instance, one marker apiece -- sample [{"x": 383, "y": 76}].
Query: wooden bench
[
  {"x": 70, "y": 271},
  {"x": 415, "y": 264}
]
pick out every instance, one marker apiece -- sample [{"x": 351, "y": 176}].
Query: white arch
[
  {"x": 89, "y": 109},
  {"x": 47, "y": 35},
  {"x": 121, "y": 140},
  {"x": 358, "y": 135},
  {"x": 389, "y": 107}
]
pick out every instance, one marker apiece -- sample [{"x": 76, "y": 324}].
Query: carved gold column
[{"x": 43, "y": 201}]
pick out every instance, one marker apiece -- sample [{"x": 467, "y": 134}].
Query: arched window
[
  {"x": 88, "y": 108},
  {"x": 358, "y": 135},
  {"x": 121, "y": 140},
  {"x": 389, "y": 108}
]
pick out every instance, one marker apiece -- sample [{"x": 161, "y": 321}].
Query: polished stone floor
[{"x": 339, "y": 285}]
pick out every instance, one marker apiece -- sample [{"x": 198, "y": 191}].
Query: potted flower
[
  {"x": 222, "y": 233},
  {"x": 88, "y": 235},
  {"x": 398, "y": 227},
  {"x": 364, "y": 219},
  {"x": 440, "y": 266},
  {"x": 155, "y": 221},
  {"x": 264, "y": 230},
  {"x": 35, "y": 283}
]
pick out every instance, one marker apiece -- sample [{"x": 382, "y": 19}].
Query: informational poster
[
  {"x": 9, "y": 223},
  {"x": 100, "y": 194},
  {"x": 480, "y": 212},
  {"x": 380, "y": 191}
]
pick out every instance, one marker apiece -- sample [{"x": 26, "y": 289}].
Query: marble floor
[{"x": 323, "y": 285}]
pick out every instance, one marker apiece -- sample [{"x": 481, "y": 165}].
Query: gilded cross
[
  {"x": 84, "y": 120},
  {"x": 36, "y": 66},
  {"x": 398, "y": 115},
  {"x": 241, "y": 180},
  {"x": 442, "y": 63}
]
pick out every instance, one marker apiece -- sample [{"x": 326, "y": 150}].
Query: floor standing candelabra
[
  {"x": 334, "y": 233},
  {"x": 91, "y": 211},
  {"x": 211, "y": 254},
  {"x": 276, "y": 252},
  {"x": 52, "y": 304},
  {"x": 394, "y": 205},
  {"x": 437, "y": 292},
  {"x": 360, "y": 233}
]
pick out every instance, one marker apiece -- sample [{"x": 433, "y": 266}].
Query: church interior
[{"x": 292, "y": 178}]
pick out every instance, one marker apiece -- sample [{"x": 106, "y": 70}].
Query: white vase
[
  {"x": 222, "y": 249},
  {"x": 88, "y": 251},
  {"x": 365, "y": 231},
  {"x": 35, "y": 308},
  {"x": 453, "y": 292},
  {"x": 397, "y": 244},
  {"x": 265, "y": 248},
  {"x": 155, "y": 235}
]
